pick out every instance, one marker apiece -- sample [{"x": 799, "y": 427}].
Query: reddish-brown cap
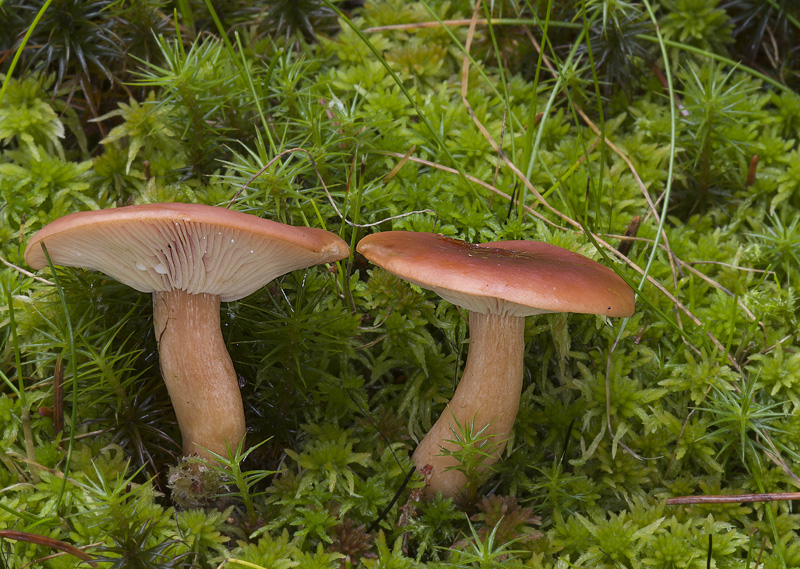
[
  {"x": 519, "y": 278},
  {"x": 176, "y": 246}
]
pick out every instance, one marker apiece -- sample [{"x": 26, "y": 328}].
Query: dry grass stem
[
  {"x": 24, "y": 272},
  {"x": 437, "y": 24},
  {"x": 325, "y": 189}
]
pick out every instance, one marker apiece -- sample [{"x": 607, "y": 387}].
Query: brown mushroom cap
[
  {"x": 191, "y": 247},
  {"x": 517, "y": 278}
]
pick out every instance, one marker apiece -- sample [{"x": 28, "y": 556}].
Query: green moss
[{"x": 344, "y": 368}]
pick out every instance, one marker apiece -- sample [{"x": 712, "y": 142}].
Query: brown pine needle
[
  {"x": 48, "y": 542},
  {"x": 751, "y": 173},
  {"x": 733, "y": 498}
]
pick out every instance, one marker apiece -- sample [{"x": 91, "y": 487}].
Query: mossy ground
[{"x": 568, "y": 122}]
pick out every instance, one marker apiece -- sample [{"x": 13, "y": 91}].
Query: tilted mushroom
[
  {"x": 191, "y": 257},
  {"x": 500, "y": 284}
]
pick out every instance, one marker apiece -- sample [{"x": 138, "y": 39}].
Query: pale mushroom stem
[
  {"x": 198, "y": 371},
  {"x": 489, "y": 393}
]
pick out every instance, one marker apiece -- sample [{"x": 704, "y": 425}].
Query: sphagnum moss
[{"x": 696, "y": 394}]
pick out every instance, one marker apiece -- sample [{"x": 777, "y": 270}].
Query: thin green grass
[
  {"x": 73, "y": 367},
  {"x": 18, "y": 52}
]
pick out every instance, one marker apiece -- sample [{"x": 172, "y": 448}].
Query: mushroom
[
  {"x": 499, "y": 284},
  {"x": 191, "y": 257}
]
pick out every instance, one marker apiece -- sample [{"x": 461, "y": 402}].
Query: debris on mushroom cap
[
  {"x": 517, "y": 278},
  {"x": 191, "y": 247}
]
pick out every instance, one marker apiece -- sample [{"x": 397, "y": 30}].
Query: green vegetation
[{"x": 556, "y": 121}]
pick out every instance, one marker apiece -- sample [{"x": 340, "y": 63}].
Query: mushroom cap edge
[
  {"x": 520, "y": 278},
  {"x": 113, "y": 241}
]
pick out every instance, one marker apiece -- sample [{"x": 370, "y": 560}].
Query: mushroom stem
[
  {"x": 489, "y": 393},
  {"x": 198, "y": 371}
]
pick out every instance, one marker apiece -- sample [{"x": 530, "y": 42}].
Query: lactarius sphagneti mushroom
[
  {"x": 191, "y": 257},
  {"x": 499, "y": 284}
]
